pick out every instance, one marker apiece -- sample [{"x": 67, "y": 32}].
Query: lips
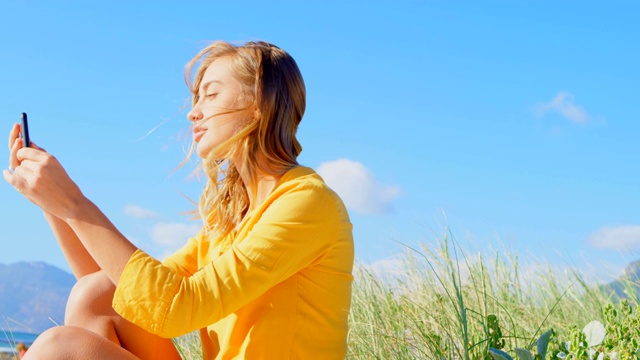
[{"x": 198, "y": 133}]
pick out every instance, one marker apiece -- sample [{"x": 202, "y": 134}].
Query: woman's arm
[
  {"x": 78, "y": 258},
  {"x": 41, "y": 178},
  {"x": 106, "y": 245}
]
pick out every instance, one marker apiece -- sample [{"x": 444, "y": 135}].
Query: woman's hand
[
  {"x": 89, "y": 238},
  {"x": 41, "y": 178}
]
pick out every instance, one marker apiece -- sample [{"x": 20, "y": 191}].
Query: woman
[{"x": 269, "y": 274}]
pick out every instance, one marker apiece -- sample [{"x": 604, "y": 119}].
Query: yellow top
[{"x": 279, "y": 287}]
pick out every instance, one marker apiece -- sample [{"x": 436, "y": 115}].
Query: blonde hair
[{"x": 273, "y": 87}]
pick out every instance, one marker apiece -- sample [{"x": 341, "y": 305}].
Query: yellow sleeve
[
  {"x": 185, "y": 260},
  {"x": 296, "y": 229}
]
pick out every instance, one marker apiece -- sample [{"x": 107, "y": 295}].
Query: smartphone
[{"x": 24, "y": 130}]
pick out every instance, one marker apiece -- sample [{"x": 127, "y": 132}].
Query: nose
[{"x": 195, "y": 114}]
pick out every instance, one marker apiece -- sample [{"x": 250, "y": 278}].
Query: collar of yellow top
[{"x": 295, "y": 172}]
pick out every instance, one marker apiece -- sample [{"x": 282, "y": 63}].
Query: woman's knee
[
  {"x": 91, "y": 296},
  {"x": 70, "y": 343},
  {"x": 54, "y": 343}
]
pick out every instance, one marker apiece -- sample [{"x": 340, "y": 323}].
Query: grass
[
  {"x": 189, "y": 346},
  {"x": 444, "y": 304}
]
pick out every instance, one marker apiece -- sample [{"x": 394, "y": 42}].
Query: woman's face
[{"x": 215, "y": 116}]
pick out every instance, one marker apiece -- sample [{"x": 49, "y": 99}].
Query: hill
[
  {"x": 627, "y": 285},
  {"x": 33, "y": 296}
]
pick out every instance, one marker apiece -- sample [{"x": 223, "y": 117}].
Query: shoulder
[{"x": 303, "y": 187}]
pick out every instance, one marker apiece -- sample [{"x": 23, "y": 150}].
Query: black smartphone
[{"x": 24, "y": 130}]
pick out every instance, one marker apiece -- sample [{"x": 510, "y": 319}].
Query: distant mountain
[
  {"x": 628, "y": 283},
  {"x": 33, "y": 296},
  {"x": 633, "y": 270}
]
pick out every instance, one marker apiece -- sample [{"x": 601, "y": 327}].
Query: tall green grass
[
  {"x": 189, "y": 346},
  {"x": 442, "y": 303}
]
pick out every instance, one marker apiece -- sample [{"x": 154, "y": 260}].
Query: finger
[
  {"x": 27, "y": 168},
  {"x": 13, "y": 134},
  {"x": 23, "y": 179},
  {"x": 12, "y": 179},
  {"x": 19, "y": 184},
  {"x": 8, "y": 176},
  {"x": 13, "y": 159},
  {"x": 29, "y": 153}
]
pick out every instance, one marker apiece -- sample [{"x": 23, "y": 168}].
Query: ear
[{"x": 257, "y": 114}]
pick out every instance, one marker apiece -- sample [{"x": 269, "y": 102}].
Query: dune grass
[
  {"x": 189, "y": 346},
  {"x": 441, "y": 303}
]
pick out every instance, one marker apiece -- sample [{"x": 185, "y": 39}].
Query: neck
[
  {"x": 263, "y": 188},
  {"x": 259, "y": 184}
]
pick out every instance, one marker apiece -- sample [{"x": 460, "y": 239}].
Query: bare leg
[
  {"x": 74, "y": 343},
  {"x": 89, "y": 308}
]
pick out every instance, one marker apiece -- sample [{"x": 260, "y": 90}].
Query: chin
[
  {"x": 205, "y": 153},
  {"x": 202, "y": 151}
]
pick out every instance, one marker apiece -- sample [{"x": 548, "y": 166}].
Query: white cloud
[
  {"x": 394, "y": 266},
  {"x": 625, "y": 238},
  {"x": 563, "y": 104},
  {"x": 139, "y": 212},
  {"x": 592, "y": 271},
  {"x": 406, "y": 273},
  {"x": 172, "y": 235},
  {"x": 358, "y": 187}
]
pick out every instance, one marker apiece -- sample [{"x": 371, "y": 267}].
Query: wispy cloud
[
  {"x": 404, "y": 271},
  {"x": 171, "y": 236},
  {"x": 358, "y": 186},
  {"x": 563, "y": 104},
  {"x": 624, "y": 238},
  {"x": 139, "y": 212},
  {"x": 394, "y": 267}
]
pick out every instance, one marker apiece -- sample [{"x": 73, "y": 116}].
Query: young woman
[{"x": 269, "y": 274}]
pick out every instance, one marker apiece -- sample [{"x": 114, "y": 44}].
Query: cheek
[{"x": 227, "y": 127}]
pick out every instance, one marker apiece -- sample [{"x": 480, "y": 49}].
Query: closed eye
[{"x": 212, "y": 95}]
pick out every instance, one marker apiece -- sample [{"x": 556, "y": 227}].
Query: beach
[
  {"x": 7, "y": 356},
  {"x": 8, "y": 353},
  {"x": 10, "y": 338}
]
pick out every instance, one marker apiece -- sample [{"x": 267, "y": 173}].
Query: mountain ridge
[{"x": 33, "y": 296}]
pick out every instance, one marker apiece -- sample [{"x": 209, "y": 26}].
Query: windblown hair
[{"x": 273, "y": 87}]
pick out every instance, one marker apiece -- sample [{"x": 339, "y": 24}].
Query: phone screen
[{"x": 24, "y": 130}]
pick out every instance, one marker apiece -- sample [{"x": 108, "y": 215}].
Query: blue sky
[{"x": 513, "y": 123}]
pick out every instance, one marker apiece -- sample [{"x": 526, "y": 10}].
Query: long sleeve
[
  {"x": 294, "y": 228},
  {"x": 185, "y": 260}
]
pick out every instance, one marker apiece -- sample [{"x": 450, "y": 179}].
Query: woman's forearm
[
  {"x": 89, "y": 236},
  {"x": 103, "y": 242},
  {"x": 79, "y": 260}
]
